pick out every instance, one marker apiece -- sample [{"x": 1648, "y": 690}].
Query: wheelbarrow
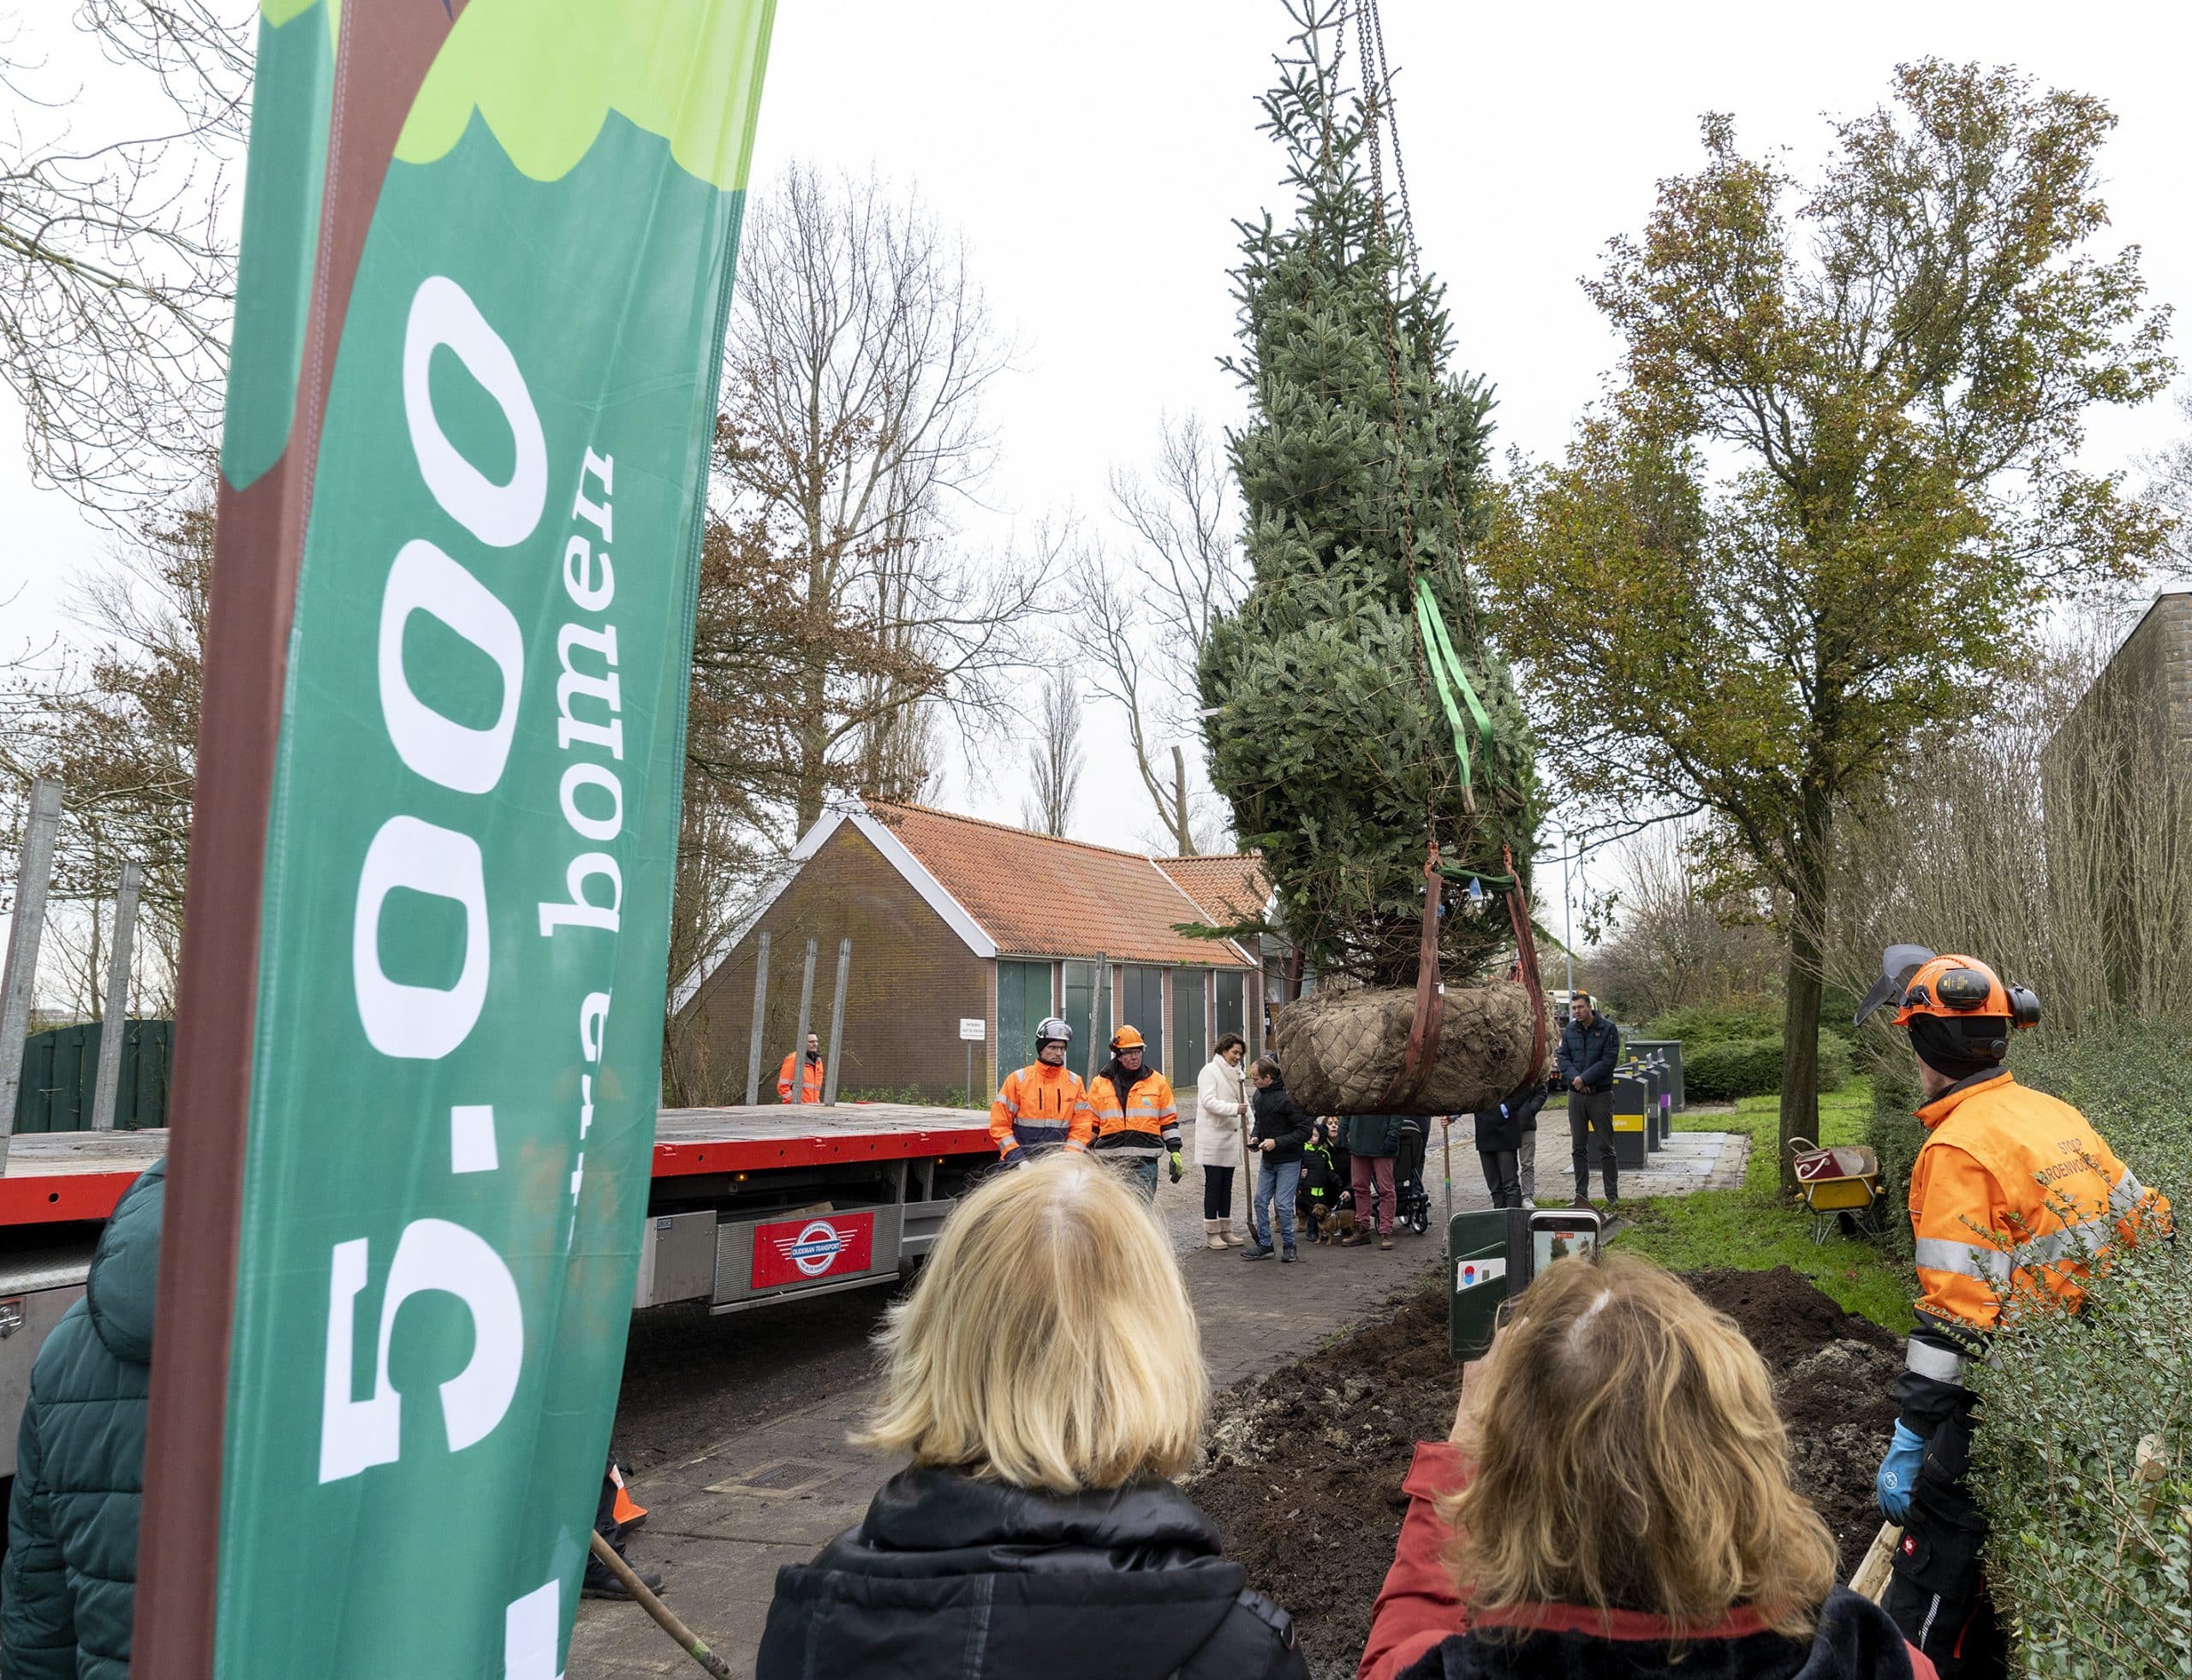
[{"x": 1841, "y": 1182}]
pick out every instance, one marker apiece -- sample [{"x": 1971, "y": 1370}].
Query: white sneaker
[{"x": 1527, "y": 1202}]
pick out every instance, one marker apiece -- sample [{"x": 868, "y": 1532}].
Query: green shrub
[
  {"x": 1701, "y": 1024},
  {"x": 2094, "y": 1586},
  {"x": 1727, "y": 1070}
]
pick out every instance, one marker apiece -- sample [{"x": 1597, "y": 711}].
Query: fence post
[
  {"x": 837, "y": 1023},
  {"x": 760, "y": 1002},
  {"x": 32, "y": 876},
  {"x": 109, "y": 1087},
  {"x": 805, "y": 1021}
]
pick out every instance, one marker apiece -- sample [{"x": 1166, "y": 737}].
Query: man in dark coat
[
  {"x": 1590, "y": 1049},
  {"x": 68, "y": 1589},
  {"x": 1499, "y": 1133}
]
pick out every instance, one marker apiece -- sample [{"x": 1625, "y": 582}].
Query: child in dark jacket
[
  {"x": 1281, "y": 1133},
  {"x": 1324, "y": 1177}
]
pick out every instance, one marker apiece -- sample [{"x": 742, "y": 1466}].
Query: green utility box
[
  {"x": 1632, "y": 1100},
  {"x": 1476, "y": 1278}
]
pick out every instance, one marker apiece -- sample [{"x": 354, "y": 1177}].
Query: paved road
[{"x": 737, "y": 1427}]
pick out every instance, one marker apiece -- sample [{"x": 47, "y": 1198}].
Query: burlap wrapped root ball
[{"x": 1340, "y": 1049}]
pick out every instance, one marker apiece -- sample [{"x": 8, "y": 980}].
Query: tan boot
[
  {"x": 1225, "y": 1230},
  {"x": 1212, "y": 1238}
]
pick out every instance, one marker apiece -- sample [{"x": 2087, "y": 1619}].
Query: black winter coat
[
  {"x": 1281, "y": 1119},
  {"x": 1854, "y": 1640},
  {"x": 954, "y": 1578},
  {"x": 1501, "y": 1128}
]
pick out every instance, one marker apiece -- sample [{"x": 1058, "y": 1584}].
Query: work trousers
[
  {"x": 1502, "y": 1176},
  {"x": 1527, "y": 1163},
  {"x": 1936, "y": 1594},
  {"x": 1141, "y": 1173},
  {"x": 1217, "y": 1193},
  {"x": 1590, "y": 1116},
  {"x": 1276, "y": 1184},
  {"x": 1366, "y": 1170}
]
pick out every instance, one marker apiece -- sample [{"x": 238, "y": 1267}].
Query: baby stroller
[{"x": 1411, "y": 1202}]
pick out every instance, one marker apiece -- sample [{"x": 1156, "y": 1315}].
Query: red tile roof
[
  {"x": 1230, "y": 886},
  {"x": 1039, "y": 896}
]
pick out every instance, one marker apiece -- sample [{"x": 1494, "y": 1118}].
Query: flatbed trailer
[{"x": 746, "y": 1205}]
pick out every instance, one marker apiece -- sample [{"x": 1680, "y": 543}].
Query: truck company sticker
[
  {"x": 1467, "y": 1274},
  {"x": 794, "y": 1251}
]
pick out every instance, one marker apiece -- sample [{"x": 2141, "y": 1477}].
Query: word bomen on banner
[{"x": 426, "y": 1023}]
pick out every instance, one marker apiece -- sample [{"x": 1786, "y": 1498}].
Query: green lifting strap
[
  {"x": 1454, "y": 871},
  {"x": 1447, "y": 672}
]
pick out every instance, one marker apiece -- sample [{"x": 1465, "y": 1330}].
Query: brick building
[
  {"x": 2115, "y": 780},
  {"x": 953, "y": 919}
]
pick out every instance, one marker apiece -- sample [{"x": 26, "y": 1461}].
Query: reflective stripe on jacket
[
  {"x": 1149, "y": 1120},
  {"x": 1040, "y": 1103},
  {"x": 810, "y": 1080},
  {"x": 2014, "y": 1192}
]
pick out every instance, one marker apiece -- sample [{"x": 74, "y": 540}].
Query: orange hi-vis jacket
[
  {"x": 1148, "y": 1120},
  {"x": 810, "y": 1080},
  {"x": 1039, "y": 1104},
  {"x": 2013, "y": 1194}
]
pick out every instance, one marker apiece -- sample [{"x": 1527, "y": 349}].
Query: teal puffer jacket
[
  {"x": 68, "y": 1590},
  {"x": 1373, "y": 1135}
]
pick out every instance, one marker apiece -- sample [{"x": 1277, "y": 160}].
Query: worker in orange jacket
[
  {"x": 810, "y": 1073},
  {"x": 1132, "y": 1112},
  {"x": 1041, "y": 1105},
  {"x": 2014, "y": 1196}
]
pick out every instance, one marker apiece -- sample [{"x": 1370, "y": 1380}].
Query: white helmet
[{"x": 1051, "y": 1030}]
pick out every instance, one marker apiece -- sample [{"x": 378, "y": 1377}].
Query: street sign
[
  {"x": 972, "y": 1028},
  {"x": 486, "y": 258}
]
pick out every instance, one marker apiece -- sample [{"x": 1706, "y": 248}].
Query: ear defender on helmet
[{"x": 2024, "y": 1006}]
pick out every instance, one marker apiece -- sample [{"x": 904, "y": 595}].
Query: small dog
[{"x": 1339, "y": 1222}]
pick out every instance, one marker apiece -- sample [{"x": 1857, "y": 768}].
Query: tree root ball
[{"x": 1340, "y": 1049}]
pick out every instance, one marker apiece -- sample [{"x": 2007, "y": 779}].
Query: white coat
[{"x": 1221, "y": 1094}]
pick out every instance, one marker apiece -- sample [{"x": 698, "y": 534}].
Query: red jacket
[{"x": 1419, "y": 1610}]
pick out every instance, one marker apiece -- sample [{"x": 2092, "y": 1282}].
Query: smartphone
[{"x": 1562, "y": 1234}]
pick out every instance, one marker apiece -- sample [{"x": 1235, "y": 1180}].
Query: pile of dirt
[{"x": 1304, "y": 1468}]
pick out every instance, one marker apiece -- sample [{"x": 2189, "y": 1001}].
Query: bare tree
[
  {"x": 859, "y": 354},
  {"x": 2171, "y": 486},
  {"x": 1056, "y": 761},
  {"x": 1151, "y": 614},
  {"x": 118, "y": 724},
  {"x": 1678, "y": 937},
  {"x": 115, "y": 274}
]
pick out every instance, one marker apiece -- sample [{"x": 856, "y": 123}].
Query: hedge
[
  {"x": 2094, "y": 1567},
  {"x": 1723, "y": 1072}
]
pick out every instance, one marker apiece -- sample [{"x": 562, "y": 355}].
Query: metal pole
[
  {"x": 805, "y": 1019},
  {"x": 837, "y": 1023},
  {"x": 32, "y": 876},
  {"x": 1099, "y": 1011},
  {"x": 1567, "y": 915},
  {"x": 109, "y": 1087},
  {"x": 754, "y": 1041}
]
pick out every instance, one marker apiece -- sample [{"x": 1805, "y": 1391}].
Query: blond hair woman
[
  {"x": 1046, "y": 1379},
  {"x": 1615, "y": 1499}
]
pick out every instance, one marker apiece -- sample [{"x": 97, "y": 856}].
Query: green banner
[{"x": 516, "y": 230}]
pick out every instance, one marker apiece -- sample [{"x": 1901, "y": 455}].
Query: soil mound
[{"x": 1304, "y": 1466}]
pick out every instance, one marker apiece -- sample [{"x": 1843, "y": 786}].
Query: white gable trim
[
  {"x": 911, "y": 868},
  {"x": 934, "y": 894}
]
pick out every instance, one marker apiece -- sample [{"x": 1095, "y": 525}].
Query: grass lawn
[{"x": 1755, "y": 1228}]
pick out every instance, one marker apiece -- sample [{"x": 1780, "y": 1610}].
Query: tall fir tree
[{"x": 1323, "y": 729}]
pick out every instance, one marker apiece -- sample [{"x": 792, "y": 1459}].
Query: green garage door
[
  {"x": 1143, "y": 1006},
  {"x": 1190, "y": 1050},
  {"x": 1023, "y": 999},
  {"x": 1231, "y": 1006},
  {"x": 1089, "y": 1015}
]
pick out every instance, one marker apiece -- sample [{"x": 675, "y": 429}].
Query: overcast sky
[{"x": 1096, "y": 156}]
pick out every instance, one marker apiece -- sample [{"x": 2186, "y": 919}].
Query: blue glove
[{"x": 1899, "y": 1472}]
